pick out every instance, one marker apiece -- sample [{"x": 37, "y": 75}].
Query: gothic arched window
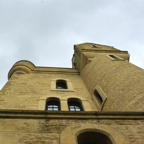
[
  {"x": 61, "y": 84},
  {"x": 53, "y": 106},
  {"x": 93, "y": 138},
  {"x": 74, "y": 106}
]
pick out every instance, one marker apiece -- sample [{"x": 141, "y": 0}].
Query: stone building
[{"x": 98, "y": 101}]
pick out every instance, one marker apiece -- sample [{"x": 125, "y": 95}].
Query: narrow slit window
[
  {"x": 115, "y": 57},
  {"x": 98, "y": 97}
]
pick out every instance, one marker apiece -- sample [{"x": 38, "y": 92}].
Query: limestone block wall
[
  {"x": 121, "y": 81},
  {"x": 58, "y": 131},
  {"x": 29, "y": 91}
]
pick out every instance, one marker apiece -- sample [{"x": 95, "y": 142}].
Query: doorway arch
[
  {"x": 91, "y": 137},
  {"x": 70, "y": 134}
]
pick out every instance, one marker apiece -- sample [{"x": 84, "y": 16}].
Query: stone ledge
[
  {"x": 104, "y": 51},
  {"x": 38, "y": 114},
  {"x": 26, "y": 67}
]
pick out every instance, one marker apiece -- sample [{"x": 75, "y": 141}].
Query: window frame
[
  {"x": 61, "y": 84},
  {"x": 68, "y": 83},
  {"x": 74, "y": 104},
  {"x": 77, "y": 103},
  {"x": 52, "y": 103},
  {"x": 99, "y": 97},
  {"x": 114, "y": 57}
]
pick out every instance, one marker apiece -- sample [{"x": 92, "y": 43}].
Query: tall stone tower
[{"x": 100, "y": 100}]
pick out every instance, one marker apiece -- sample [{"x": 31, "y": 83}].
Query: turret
[{"x": 113, "y": 82}]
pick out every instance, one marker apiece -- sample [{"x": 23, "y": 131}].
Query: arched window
[
  {"x": 53, "y": 105},
  {"x": 74, "y": 105},
  {"x": 93, "y": 138},
  {"x": 61, "y": 84}
]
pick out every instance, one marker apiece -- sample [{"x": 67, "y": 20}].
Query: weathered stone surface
[
  {"x": 8, "y": 138},
  {"x": 63, "y": 122},
  {"x": 127, "y": 122},
  {"x": 134, "y": 136},
  {"x": 120, "y": 87},
  {"x": 50, "y": 128},
  {"x": 121, "y": 82},
  {"x": 123, "y": 129},
  {"x": 38, "y": 138},
  {"x": 136, "y": 141},
  {"x": 17, "y": 125},
  {"x": 139, "y": 129},
  {"x": 38, "y": 142},
  {"x": 25, "y": 91},
  {"x": 142, "y": 122}
]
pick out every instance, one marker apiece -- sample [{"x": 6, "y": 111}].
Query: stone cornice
[
  {"x": 26, "y": 67},
  {"x": 55, "y": 70},
  {"x": 37, "y": 114},
  {"x": 104, "y": 51}
]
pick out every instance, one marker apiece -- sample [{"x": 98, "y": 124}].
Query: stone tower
[{"x": 99, "y": 100}]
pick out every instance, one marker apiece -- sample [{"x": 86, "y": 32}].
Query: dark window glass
[
  {"x": 61, "y": 85},
  {"x": 98, "y": 97},
  {"x": 94, "y": 46},
  {"x": 52, "y": 106},
  {"x": 74, "y": 106},
  {"x": 114, "y": 57}
]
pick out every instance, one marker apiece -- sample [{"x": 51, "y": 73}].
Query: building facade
[{"x": 100, "y": 100}]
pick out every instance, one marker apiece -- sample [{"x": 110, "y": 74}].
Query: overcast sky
[{"x": 44, "y": 31}]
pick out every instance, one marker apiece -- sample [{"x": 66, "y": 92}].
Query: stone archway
[
  {"x": 92, "y": 137},
  {"x": 69, "y": 134}
]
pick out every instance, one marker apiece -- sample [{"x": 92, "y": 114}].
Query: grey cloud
[{"x": 44, "y": 31}]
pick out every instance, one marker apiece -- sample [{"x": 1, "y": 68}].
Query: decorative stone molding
[{"x": 93, "y": 115}]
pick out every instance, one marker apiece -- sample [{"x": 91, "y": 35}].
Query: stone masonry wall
[
  {"x": 121, "y": 81},
  {"x": 48, "y": 131},
  {"x": 24, "y": 91}
]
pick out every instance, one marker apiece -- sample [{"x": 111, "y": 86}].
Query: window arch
[
  {"x": 53, "y": 104},
  {"x": 92, "y": 137},
  {"x": 74, "y": 105},
  {"x": 61, "y": 84}
]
